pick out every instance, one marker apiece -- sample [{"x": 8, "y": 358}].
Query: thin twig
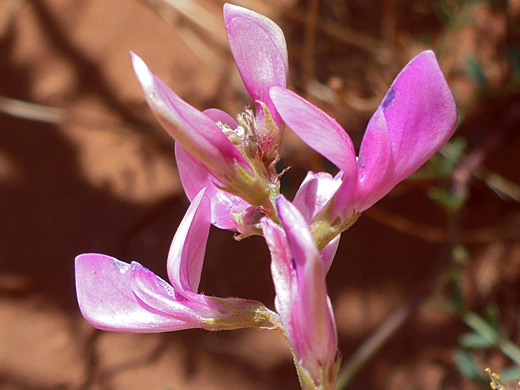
[
  {"x": 32, "y": 111},
  {"x": 201, "y": 17},
  {"x": 343, "y": 34},
  {"x": 376, "y": 341},
  {"x": 509, "y": 231}
]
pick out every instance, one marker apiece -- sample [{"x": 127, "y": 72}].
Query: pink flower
[
  {"x": 301, "y": 296},
  {"x": 234, "y": 160},
  {"x": 314, "y": 193},
  {"x": 114, "y": 295},
  {"x": 417, "y": 115}
]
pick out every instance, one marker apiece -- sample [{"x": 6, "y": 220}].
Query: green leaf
[
  {"x": 474, "y": 340},
  {"x": 510, "y": 374},
  {"x": 475, "y": 71},
  {"x": 466, "y": 365}
]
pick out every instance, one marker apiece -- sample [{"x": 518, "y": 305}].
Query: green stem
[{"x": 484, "y": 329}]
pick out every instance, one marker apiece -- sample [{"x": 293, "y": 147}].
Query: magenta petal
[
  {"x": 194, "y": 177},
  {"x": 317, "y": 129},
  {"x": 314, "y": 193},
  {"x": 195, "y": 131},
  {"x": 316, "y": 335},
  {"x": 260, "y": 52},
  {"x": 186, "y": 255},
  {"x": 375, "y": 163},
  {"x": 108, "y": 301},
  {"x": 327, "y": 254},
  {"x": 420, "y": 113},
  {"x": 217, "y": 115},
  {"x": 283, "y": 273},
  {"x": 193, "y": 174}
]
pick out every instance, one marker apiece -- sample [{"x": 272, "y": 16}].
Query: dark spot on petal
[{"x": 389, "y": 99}]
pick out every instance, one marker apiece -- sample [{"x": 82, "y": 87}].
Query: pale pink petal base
[
  {"x": 111, "y": 297},
  {"x": 186, "y": 255},
  {"x": 194, "y": 177},
  {"x": 301, "y": 292}
]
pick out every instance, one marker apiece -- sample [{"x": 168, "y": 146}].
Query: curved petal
[
  {"x": 195, "y": 131},
  {"x": 375, "y": 163},
  {"x": 194, "y": 177},
  {"x": 193, "y": 174},
  {"x": 217, "y": 115},
  {"x": 315, "y": 318},
  {"x": 283, "y": 273},
  {"x": 318, "y": 130},
  {"x": 260, "y": 52},
  {"x": 327, "y": 254},
  {"x": 186, "y": 255},
  {"x": 420, "y": 113},
  {"x": 314, "y": 193},
  {"x": 106, "y": 294},
  {"x": 343, "y": 202}
]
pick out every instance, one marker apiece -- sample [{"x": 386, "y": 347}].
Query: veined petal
[
  {"x": 420, "y": 114},
  {"x": 375, "y": 163},
  {"x": 194, "y": 177},
  {"x": 117, "y": 296},
  {"x": 314, "y": 193},
  {"x": 316, "y": 333},
  {"x": 317, "y": 129},
  {"x": 195, "y": 131},
  {"x": 260, "y": 51},
  {"x": 284, "y": 275},
  {"x": 106, "y": 289},
  {"x": 186, "y": 255}
]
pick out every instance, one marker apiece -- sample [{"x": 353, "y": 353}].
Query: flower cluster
[{"x": 228, "y": 171}]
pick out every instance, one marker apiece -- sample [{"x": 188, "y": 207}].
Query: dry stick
[
  {"x": 341, "y": 33},
  {"x": 32, "y": 111},
  {"x": 389, "y": 23},
  {"x": 376, "y": 341},
  {"x": 201, "y": 17},
  {"x": 400, "y": 315},
  {"x": 436, "y": 234},
  {"x": 311, "y": 18}
]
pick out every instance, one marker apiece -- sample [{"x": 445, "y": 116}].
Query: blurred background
[{"x": 425, "y": 286}]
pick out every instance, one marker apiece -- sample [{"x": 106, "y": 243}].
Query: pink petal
[
  {"x": 195, "y": 131},
  {"x": 375, "y": 163},
  {"x": 318, "y": 130},
  {"x": 260, "y": 52},
  {"x": 106, "y": 289},
  {"x": 283, "y": 273},
  {"x": 327, "y": 254},
  {"x": 420, "y": 114},
  {"x": 315, "y": 317},
  {"x": 342, "y": 208},
  {"x": 194, "y": 177},
  {"x": 313, "y": 351},
  {"x": 217, "y": 115},
  {"x": 186, "y": 255},
  {"x": 314, "y": 193}
]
